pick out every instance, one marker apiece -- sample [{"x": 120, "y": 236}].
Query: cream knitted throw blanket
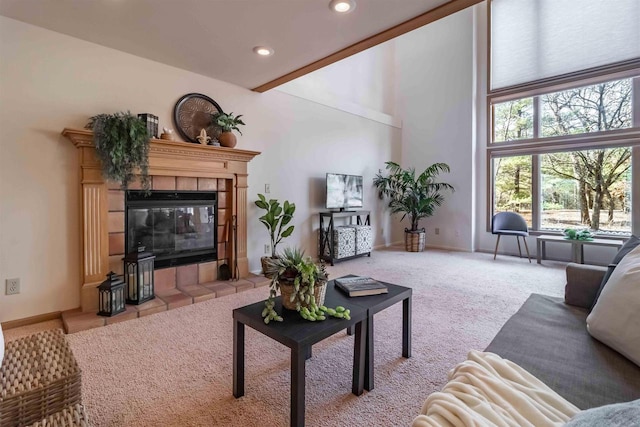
[{"x": 487, "y": 390}]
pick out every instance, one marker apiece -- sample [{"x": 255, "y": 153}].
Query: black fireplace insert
[{"x": 178, "y": 227}]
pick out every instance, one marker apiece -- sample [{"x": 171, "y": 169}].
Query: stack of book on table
[{"x": 359, "y": 286}]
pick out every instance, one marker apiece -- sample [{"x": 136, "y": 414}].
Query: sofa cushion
[
  {"x": 615, "y": 319},
  {"x": 549, "y": 339},
  {"x": 628, "y": 246},
  {"x": 618, "y": 415}
]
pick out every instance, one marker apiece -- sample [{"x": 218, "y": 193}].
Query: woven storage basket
[
  {"x": 414, "y": 241},
  {"x": 38, "y": 378},
  {"x": 286, "y": 289},
  {"x": 72, "y": 416}
]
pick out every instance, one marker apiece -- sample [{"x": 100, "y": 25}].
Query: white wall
[
  {"x": 435, "y": 99},
  {"x": 49, "y": 81},
  {"x": 365, "y": 79},
  {"x": 362, "y": 85}
]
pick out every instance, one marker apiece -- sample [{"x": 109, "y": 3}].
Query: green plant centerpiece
[
  {"x": 122, "y": 144},
  {"x": 575, "y": 234},
  {"x": 415, "y": 196},
  {"x": 228, "y": 123},
  {"x": 302, "y": 284},
  {"x": 276, "y": 218}
]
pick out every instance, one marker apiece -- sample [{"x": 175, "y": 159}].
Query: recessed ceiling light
[
  {"x": 263, "y": 50},
  {"x": 342, "y": 6}
]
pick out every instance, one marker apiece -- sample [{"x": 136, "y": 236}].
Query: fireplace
[
  {"x": 174, "y": 166},
  {"x": 178, "y": 227}
]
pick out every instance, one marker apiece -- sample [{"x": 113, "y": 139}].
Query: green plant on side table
[
  {"x": 302, "y": 284},
  {"x": 122, "y": 144},
  {"x": 276, "y": 219},
  {"x": 413, "y": 196},
  {"x": 574, "y": 234},
  {"x": 228, "y": 123}
]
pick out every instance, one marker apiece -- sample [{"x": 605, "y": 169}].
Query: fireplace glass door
[{"x": 177, "y": 227}]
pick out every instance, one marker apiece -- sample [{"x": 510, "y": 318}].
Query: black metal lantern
[
  {"x": 111, "y": 295},
  {"x": 138, "y": 274}
]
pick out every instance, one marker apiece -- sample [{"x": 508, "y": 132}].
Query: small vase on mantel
[{"x": 228, "y": 139}]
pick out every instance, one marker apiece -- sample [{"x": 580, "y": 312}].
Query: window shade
[{"x": 537, "y": 39}]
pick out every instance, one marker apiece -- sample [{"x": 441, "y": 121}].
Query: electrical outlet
[
  {"x": 437, "y": 231},
  {"x": 267, "y": 188},
  {"x": 457, "y": 233},
  {"x": 267, "y": 248},
  {"x": 12, "y": 286}
]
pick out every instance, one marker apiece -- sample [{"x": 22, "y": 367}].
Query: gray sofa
[{"x": 548, "y": 337}]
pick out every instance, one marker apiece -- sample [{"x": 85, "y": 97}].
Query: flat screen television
[{"x": 344, "y": 191}]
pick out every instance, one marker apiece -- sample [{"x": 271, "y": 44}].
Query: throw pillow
[
  {"x": 616, "y": 415},
  {"x": 616, "y": 316},
  {"x": 628, "y": 246}
]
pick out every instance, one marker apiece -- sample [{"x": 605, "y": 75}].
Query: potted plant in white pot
[
  {"x": 276, "y": 219},
  {"x": 302, "y": 284},
  {"x": 414, "y": 196},
  {"x": 228, "y": 123},
  {"x": 122, "y": 143}
]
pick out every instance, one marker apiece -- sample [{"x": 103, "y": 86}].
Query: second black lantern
[{"x": 138, "y": 274}]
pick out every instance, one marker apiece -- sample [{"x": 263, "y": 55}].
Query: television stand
[{"x": 340, "y": 243}]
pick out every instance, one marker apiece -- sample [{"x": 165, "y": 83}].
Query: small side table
[
  {"x": 374, "y": 304},
  {"x": 300, "y": 335}
]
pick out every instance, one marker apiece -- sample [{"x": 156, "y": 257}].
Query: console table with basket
[{"x": 342, "y": 242}]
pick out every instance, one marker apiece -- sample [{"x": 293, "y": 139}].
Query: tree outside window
[{"x": 577, "y": 188}]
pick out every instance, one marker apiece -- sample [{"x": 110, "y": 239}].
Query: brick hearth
[{"x": 167, "y": 299}]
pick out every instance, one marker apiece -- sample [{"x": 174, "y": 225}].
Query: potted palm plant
[
  {"x": 228, "y": 123},
  {"x": 302, "y": 284},
  {"x": 122, "y": 144},
  {"x": 276, "y": 219},
  {"x": 414, "y": 196}
]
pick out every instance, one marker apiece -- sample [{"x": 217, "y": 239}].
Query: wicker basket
[
  {"x": 38, "y": 378},
  {"x": 286, "y": 289},
  {"x": 72, "y": 416},
  {"x": 414, "y": 240}
]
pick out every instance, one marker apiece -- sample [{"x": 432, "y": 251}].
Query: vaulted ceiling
[{"x": 215, "y": 38}]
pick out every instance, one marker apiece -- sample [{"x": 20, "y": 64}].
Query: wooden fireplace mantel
[{"x": 166, "y": 158}]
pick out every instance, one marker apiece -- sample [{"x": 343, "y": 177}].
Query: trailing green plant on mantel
[
  {"x": 122, "y": 143},
  {"x": 302, "y": 284}
]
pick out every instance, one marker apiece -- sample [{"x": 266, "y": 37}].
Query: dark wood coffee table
[
  {"x": 299, "y": 335},
  {"x": 374, "y": 304}
]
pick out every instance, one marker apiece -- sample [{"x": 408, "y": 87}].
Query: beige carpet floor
[{"x": 175, "y": 368}]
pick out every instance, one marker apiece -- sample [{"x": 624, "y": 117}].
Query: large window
[
  {"x": 563, "y": 94},
  {"x": 563, "y": 158}
]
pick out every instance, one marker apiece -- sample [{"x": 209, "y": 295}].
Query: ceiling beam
[{"x": 439, "y": 12}]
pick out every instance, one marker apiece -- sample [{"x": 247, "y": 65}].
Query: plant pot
[
  {"x": 414, "y": 240},
  {"x": 228, "y": 139},
  {"x": 265, "y": 266},
  {"x": 286, "y": 289}
]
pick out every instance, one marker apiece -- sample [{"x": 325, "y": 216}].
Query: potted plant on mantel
[
  {"x": 228, "y": 123},
  {"x": 122, "y": 143},
  {"x": 302, "y": 284},
  {"x": 276, "y": 219},
  {"x": 416, "y": 197}
]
